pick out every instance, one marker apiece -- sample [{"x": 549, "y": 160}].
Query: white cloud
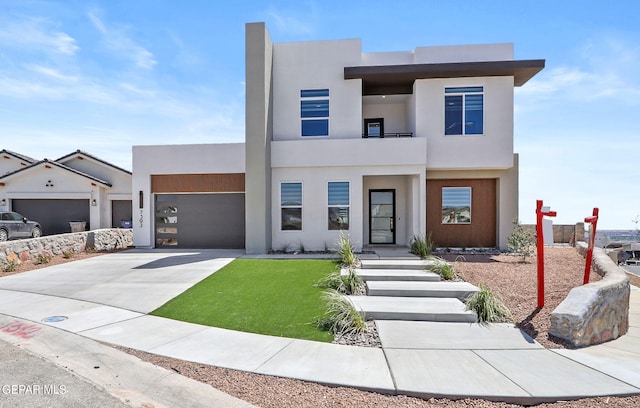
[
  {"x": 36, "y": 33},
  {"x": 606, "y": 68},
  {"x": 116, "y": 38},
  {"x": 52, "y": 73}
]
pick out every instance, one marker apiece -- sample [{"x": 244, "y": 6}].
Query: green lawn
[{"x": 265, "y": 296}]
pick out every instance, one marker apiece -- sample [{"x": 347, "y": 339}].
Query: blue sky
[{"x": 104, "y": 75}]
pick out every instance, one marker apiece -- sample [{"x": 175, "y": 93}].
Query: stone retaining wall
[
  {"x": 596, "y": 312},
  {"x": 24, "y": 250}
]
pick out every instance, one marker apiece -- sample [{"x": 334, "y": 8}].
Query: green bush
[
  {"x": 421, "y": 246},
  {"x": 346, "y": 284},
  {"x": 341, "y": 317},
  {"x": 346, "y": 251},
  {"x": 488, "y": 306},
  {"x": 10, "y": 266},
  {"x": 442, "y": 268},
  {"x": 522, "y": 241},
  {"x": 42, "y": 259}
]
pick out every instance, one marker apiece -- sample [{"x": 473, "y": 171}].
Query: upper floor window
[
  {"x": 338, "y": 200},
  {"x": 291, "y": 206},
  {"x": 314, "y": 112},
  {"x": 464, "y": 110}
]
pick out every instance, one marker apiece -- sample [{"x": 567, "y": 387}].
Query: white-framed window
[
  {"x": 291, "y": 206},
  {"x": 464, "y": 110},
  {"x": 456, "y": 205},
  {"x": 338, "y": 200},
  {"x": 314, "y": 112}
]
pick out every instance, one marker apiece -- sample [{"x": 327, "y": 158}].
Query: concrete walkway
[{"x": 107, "y": 298}]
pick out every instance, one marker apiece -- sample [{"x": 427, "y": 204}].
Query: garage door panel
[
  {"x": 201, "y": 221},
  {"x": 53, "y": 215}
]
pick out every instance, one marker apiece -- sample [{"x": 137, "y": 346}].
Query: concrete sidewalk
[{"x": 423, "y": 359}]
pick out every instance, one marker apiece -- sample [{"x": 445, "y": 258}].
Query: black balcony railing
[{"x": 389, "y": 135}]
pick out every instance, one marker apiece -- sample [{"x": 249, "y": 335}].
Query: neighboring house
[
  {"x": 75, "y": 187},
  {"x": 12, "y": 161},
  {"x": 382, "y": 146}
]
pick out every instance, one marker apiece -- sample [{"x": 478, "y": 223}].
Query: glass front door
[{"x": 382, "y": 212}]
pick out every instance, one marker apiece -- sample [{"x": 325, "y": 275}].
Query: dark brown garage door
[
  {"x": 200, "y": 220},
  {"x": 53, "y": 215}
]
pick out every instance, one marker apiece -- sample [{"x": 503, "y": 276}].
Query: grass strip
[{"x": 265, "y": 296}]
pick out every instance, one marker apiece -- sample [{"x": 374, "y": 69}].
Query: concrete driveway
[{"x": 136, "y": 280}]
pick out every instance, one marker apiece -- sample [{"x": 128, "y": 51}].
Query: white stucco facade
[{"x": 399, "y": 95}]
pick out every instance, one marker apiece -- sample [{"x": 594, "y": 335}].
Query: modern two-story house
[{"x": 382, "y": 146}]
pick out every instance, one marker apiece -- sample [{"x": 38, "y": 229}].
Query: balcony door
[
  {"x": 374, "y": 127},
  {"x": 382, "y": 214}
]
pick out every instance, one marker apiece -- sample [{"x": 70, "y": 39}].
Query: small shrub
[
  {"x": 488, "y": 306},
  {"x": 42, "y": 259},
  {"x": 442, "y": 268},
  {"x": 10, "y": 266},
  {"x": 341, "y": 317},
  {"x": 522, "y": 241},
  {"x": 347, "y": 284},
  {"x": 346, "y": 251},
  {"x": 446, "y": 270},
  {"x": 68, "y": 254},
  {"x": 421, "y": 246}
]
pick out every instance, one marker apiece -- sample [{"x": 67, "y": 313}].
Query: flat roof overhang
[{"x": 399, "y": 79}]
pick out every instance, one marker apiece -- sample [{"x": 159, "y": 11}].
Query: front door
[{"x": 382, "y": 214}]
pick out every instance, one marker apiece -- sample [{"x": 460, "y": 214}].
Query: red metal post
[
  {"x": 593, "y": 220},
  {"x": 540, "y": 246}
]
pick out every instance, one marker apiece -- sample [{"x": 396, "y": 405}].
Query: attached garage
[
  {"x": 53, "y": 214},
  {"x": 199, "y": 211},
  {"x": 462, "y": 212}
]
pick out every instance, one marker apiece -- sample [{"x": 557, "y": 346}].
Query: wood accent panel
[
  {"x": 197, "y": 183},
  {"x": 482, "y": 230}
]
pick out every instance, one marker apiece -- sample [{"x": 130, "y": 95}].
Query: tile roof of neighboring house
[
  {"x": 59, "y": 165},
  {"x": 80, "y": 153},
  {"x": 17, "y": 155}
]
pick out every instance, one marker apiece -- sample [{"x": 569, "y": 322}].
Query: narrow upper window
[
  {"x": 314, "y": 112},
  {"x": 464, "y": 111},
  {"x": 338, "y": 200},
  {"x": 456, "y": 205},
  {"x": 291, "y": 206}
]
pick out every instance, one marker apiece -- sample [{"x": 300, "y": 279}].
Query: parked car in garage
[{"x": 14, "y": 225}]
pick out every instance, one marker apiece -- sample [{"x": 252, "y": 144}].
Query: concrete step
[
  {"x": 411, "y": 264},
  {"x": 412, "y": 309},
  {"x": 459, "y": 290},
  {"x": 369, "y": 275}
]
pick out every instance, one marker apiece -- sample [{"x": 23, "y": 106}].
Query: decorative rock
[
  {"x": 100, "y": 240},
  {"x": 596, "y": 312}
]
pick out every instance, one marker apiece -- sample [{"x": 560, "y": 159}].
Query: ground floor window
[
  {"x": 456, "y": 205},
  {"x": 338, "y": 200},
  {"x": 291, "y": 206}
]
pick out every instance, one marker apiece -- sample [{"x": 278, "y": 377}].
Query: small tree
[{"x": 521, "y": 241}]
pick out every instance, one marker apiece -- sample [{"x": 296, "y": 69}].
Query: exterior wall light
[
  {"x": 3, "y": 202},
  {"x": 94, "y": 202}
]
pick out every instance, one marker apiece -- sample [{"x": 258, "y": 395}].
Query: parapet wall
[
  {"x": 24, "y": 250},
  {"x": 596, "y": 312}
]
